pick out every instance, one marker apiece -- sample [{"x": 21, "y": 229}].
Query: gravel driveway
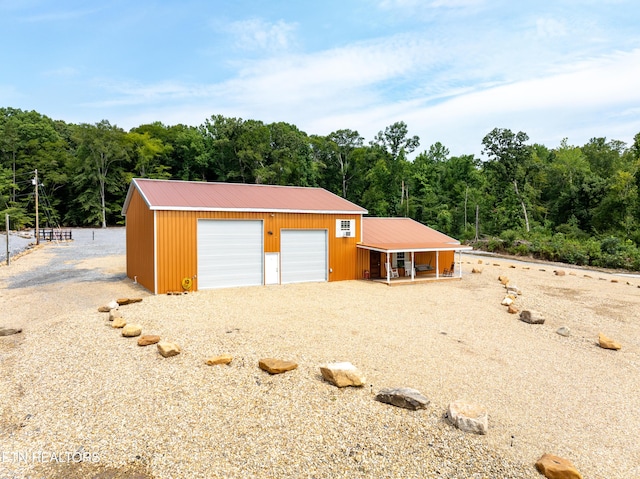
[{"x": 63, "y": 261}]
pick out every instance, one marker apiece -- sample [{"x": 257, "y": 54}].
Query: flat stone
[
  {"x": 503, "y": 280},
  {"x": 559, "y": 272},
  {"x": 168, "y": 349},
  {"x": 531, "y": 317},
  {"x": 114, "y": 313},
  {"x": 476, "y": 270},
  {"x": 132, "y": 330},
  {"x": 407, "y": 398},
  {"x": 514, "y": 290},
  {"x": 4, "y": 331},
  {"x": 222, "y": 359},
  {"x": 342, "y": 374},
  {"x": 608, "y": 343},
  {"x": 468, "y": 417},
  {"x": 563, "y": 331},
  {"x": 108, "y": 307},
  {"x": 276, "y": 366},
  {"x": 148, "y": 339},
  {"x": 512, "y": 309},
  {"x": 119, "y": 322},
  {"x": 507, "y": 301},
  {"x": 554, "y": 467},
  {"x": 125, "y": 301}
]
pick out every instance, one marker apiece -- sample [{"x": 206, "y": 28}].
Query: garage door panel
[
  {"x": 230, "y": 253},
  {"x": 303, "y": 255}
]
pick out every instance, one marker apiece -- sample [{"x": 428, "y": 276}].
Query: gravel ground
[
  {"x": 17, "y": 244},
  {"x": 71, "y": 383}
]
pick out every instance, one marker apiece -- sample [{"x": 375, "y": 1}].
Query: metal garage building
[{"x": 200, "y": 235}]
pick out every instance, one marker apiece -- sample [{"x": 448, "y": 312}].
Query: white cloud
[
  {"x": 256, "y": 34},
  {"x": 550, "y": 27}
]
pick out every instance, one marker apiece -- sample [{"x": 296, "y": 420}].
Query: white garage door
[
  {"x": 303, "y": 255},
  {"x": 230, "y": 253}
]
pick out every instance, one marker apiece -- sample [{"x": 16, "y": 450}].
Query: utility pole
[
  {"x": 7, "y": 223},
  {"x": 477, "y": 221},
  {"x": 35, "y": 181}
]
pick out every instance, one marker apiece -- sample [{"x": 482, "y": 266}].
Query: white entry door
[{"x": 271, "y": 268}]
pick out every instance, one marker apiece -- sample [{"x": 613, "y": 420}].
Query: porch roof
[{"x": 392, "y": 235}]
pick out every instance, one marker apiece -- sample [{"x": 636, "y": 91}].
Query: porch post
[
  {"x": 413, "y": 265},
  {"x": 387, "y": 266},
  {"x": 460, "y": 264},
  {"x": 437, "y": 264}
]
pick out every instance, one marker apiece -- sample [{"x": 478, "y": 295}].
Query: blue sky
[{"x": 451, "y": 69}]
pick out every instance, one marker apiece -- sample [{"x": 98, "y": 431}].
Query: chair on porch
[
  {"x": 393, "y": 273},
  {"x": 449, "y": 272}
]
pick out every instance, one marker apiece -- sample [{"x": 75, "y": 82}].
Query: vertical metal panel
[
  {"x": 140, "y": 242},
  {"x": 303, "y": 256},
  {"x": 362, "y": 262},
  {"x": 177, "y": 242}
]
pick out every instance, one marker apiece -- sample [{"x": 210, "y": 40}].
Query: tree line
[{"x": 577, "y": 204}]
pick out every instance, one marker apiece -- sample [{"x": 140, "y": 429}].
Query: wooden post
[{"x": 7, "y": 223}]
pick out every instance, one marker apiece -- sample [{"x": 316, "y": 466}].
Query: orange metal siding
[
  {"x": 362, "y": 263},
  {"x": 139, "y": 242},
  {"x": 177, "y": 242},
  {"x": 445, "y": 258}
]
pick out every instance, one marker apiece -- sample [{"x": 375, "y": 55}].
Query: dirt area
[{"x": 72, "y": 383}]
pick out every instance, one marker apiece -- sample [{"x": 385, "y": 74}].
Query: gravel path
[{"x": 71, "y": 383}]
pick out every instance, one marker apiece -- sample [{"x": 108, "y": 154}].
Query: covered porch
[{"x": 400, "y": 251}]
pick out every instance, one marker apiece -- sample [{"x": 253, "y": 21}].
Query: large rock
[
  {"x": 507, "y": 301},
  {"x": 476, "y": 270},
  {"x": 148, "y": 339},
  {"x": 503, "y": 280},
  {"x": 125, "y": 301},
  {"x": 119, "y": 322},
  {"x": 407, "y": 398},
  {"x": 554, "y": 467},
  {"x": 342, "y": 374},
  {"x": 4, "y": 331},
  {"x": 222, "y": 359},
  {"x": 531, "y": 317},
  {"x": 132, "y": 330},
  {"x": 608, "y": 343},
  {"x": 168, "y": 349},
  {"x": 114, "y": 313},
  {"x": 512, "y": 309},
  {"x": 559, "y": 272},
  {"x": 468, "y": 417},
  {"x": 276, "y": 366}
]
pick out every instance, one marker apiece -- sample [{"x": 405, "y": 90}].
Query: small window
[
  {"x": 345, "y": 228},
  {"x": 398, "y": 260}
]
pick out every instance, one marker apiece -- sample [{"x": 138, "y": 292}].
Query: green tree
[
  {"x": 99, "y": 183},
  {"x": 509, "y": 162}
]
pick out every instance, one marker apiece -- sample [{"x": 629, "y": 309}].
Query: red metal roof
[
  {"x": 404, "y": 234},
  {"x": 202, "y": 196}
]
